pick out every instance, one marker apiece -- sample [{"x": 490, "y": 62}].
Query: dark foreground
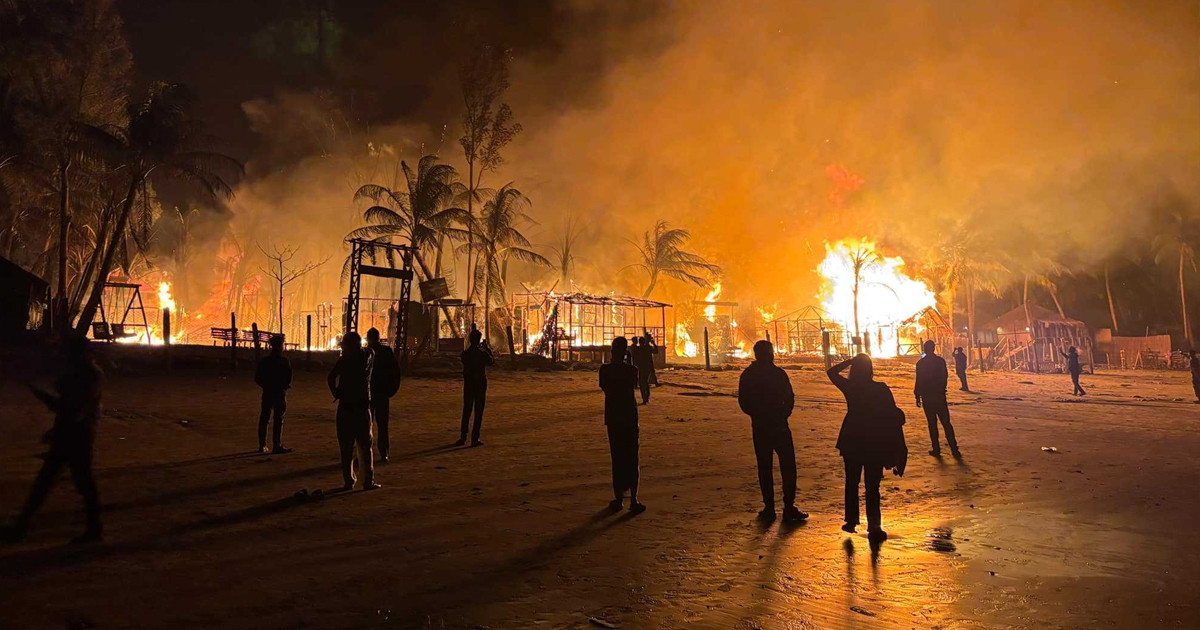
[{"x": 201, "y": 533}]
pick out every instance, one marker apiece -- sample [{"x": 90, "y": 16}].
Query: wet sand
[{"x": 202, "y": 533}]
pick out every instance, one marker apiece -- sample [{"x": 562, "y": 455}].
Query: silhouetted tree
[
  {"x": 662, "y": 254},
  {"x": 564, "y": 251},
  {"x": 1176, "y": 242}
]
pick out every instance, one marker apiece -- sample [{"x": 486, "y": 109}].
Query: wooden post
[
  {"x": 979, "y": 347},
  {"x": 512, "y": 347},
  {"x": 166, "y": 328},
  {"x": 233, "y": 335},
  {"x": 308, "y": 338},
  {"x": 254, "y": 332},
  {"x": 707, "y": 360},
  {"x": 825, "y": 348}
]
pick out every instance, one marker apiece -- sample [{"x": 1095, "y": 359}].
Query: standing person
[
  {"x": 76, "y": 406},
  {"x": 475, "y": 360},
  {"x": 619, "y": 379},
  {"x": 643, "y": 360},
  {"x": 930, "y": 390},
  {"x": 349, "y": 382},
  {"x": 274, "y": 376},
  {"x": 765, "y": 394},
  {"x": 1073, "y": 367},
  {"x": 1194, "y": 366},
  {"x": 871, "y": 439},
  {"x": 648, "y": 340},
  {"x": 385, "y": 382},
  {"x": 960, "y": 367}
]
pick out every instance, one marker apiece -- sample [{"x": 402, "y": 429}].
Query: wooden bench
[{"x": 246, "y": 337}]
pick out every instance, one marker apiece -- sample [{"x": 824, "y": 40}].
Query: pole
[
  {"x": 308, "y": 338},
  {"x": 979, "y": 347},
  {"x": 233, "y": 335},
  {"x": 166, "y": 327},
  {"x": 825, "y": 348},
  {"x": 512, "y": 347},
  {"x": 707, "y": 360},
  {"x": 254, "y": 333}
]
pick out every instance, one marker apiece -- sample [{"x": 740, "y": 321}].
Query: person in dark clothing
[
  {"x": 475, "y": 360},
  {"x": 765, "y": 394},
  {"x": 349, "y": 382},
  {"x": 1194, "y": 366},
  {"x": 960, "y": 367},
  {"x": 930, "y": 390},
  {"x": 619, "y": 379},
  {"x": 871, "y": 439},
  {"x": 1073, "y": 367},
  {"x": 643, "y": 360},
  {"x": 76, "y": 406},
  {"x": 274, "y": 376},
  {"x": 385, "y": 382}
]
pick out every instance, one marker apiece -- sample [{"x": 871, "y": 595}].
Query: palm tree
[
  {"x": 662, "y": 254},
  {"x": 564, "y": 251},
  {"x": 1112, "y": 310},
  {"x": 862, "y": 258},
  {"x": 1176, "y": 242},
  {"x": 497, "y": 239},
  {"x": 161, "y": 139}
]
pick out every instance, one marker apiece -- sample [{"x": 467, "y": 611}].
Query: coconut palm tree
[
  {"x": 497, "y": 239},
  {"x": 162, "y": 139},
  {"x": 1176, "y": 242},
  {"x": 564, "y": 251},
  {"x": 662, "y": 254}
]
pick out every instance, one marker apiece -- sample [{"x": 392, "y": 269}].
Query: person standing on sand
[
  {"x": 349, "y": 382},
  {"x": 930, "y": 390},
  {"x": 960, "y": 367},
  {"x": 765, "y": 394},
  {"x": 1073, "y": 367},
  {"x": 385, "y": 382},
  {"x": 619, "y": 379},
  {"x": 475, "y": 360},
  {"x": 76, "y": 406},
  {"x": 274, "y": 376},
  {"x": 871, "y": 439},
  {"x": 1194, "y": 366},
  {"x": 643, "y": 360},
  {"x": 648, "y": 340}
]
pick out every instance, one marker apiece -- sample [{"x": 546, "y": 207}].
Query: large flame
[
  {"x": 886, "y": 295},
  {"x": 684, "y": 346},
  {"x": 710, "y": 311}
]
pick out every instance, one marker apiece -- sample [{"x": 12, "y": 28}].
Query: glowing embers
[{"x": 868, "y": 294}]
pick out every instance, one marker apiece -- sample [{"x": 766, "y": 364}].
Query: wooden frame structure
[
  {"x": 1033, "y": 343},
  {"x": 363, "y": 248},
  {"x": 562, "y": 325},
  {"x": 106, "y": 330}
]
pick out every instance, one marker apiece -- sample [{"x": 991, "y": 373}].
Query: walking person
[
  {"x": 765, "y": 394},
  {"x": 1194, "y": 366},
  {"x": 619, "y": 379},
  {"x": 349, "y": 382},
  {"x": 274, "y": 376},
  {"x": 648, "y": 340},
  {"x": 76, "y": 406},
  {"x": 643, "y": 359},
  {"x": 871, "y": 439},
  {"x": 1073, "y": 367},
  {"x": 385, "y": 382},
  {"x": 960, "y": 367},
  {"x": 930, "y": 391},
  {"x": 475, "y": 359}
]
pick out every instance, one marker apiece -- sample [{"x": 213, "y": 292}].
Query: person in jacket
[
  {"x": 475, "y": 360},
  {"x": 765, "y": 394},
  {"x": 618, "y": 380},
  {"x": 274, "y": 376},
  {"x": 930, "y": 391},
  {"x": 643, "y": 353},
  {"x": 871, "y": 439},
  {"x": 960, "y": 367},
  {"x": 349, "y": 382},
  {"x": 76, "y": 406},
  {"x": 385, "y": 382},
  {"x": 1194, "y": 367},
  {"x": 1074, "y": 368}
]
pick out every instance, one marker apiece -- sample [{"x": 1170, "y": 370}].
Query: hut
[
  {"x": 579, "y": 325},
  {"x": 24, "y": 300},
  {"x": 1034, "y": 343}
]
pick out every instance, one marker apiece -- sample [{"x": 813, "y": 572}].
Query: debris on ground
[{"x": 1049, "y": 449}]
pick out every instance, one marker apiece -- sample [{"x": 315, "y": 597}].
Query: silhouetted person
[
  {"x": 76, "y": 406},
  {"x": 871, "y": 439},
  {"x": 1073, "y": 367},
  {"x": 960, "y": 367},
  {"x": 349, "y": 382},
  {"x": 619, "y": 379},
  {"x": 643, "y": 353},
  {"x": 930, "y": 390},
  {"x": 765, "y": 394},
  {"x": 1194, "y": 366},
  {"x": 648, "y": 340},
  {"x": 274, "y": 376},
  {"x": 385, "y": 382},
  {"x": 475, "y": 360}
]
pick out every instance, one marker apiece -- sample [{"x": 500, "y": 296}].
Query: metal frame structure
[
  {"x": 586, "y": 323},
  {"x": 360, "y": 247},
  {"x": 129, "y": 306}
]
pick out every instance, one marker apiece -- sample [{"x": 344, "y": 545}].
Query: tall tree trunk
[
  {"x": 970, "y": 318},
  {"x": 857, "y": 335},
  {"x": 89, "y": 309},
  {"x": 63, "y": 222},
  {"x": 1054, "y": 296},
  {"x": 1187, "y": 327},
  {"x": 650, "y": 288},
  {"x": 1112, "y": 311},
  {"x": 471, "y": 232},
  {"x": 950, "y": 313},
  {"x": 1025, "y": 304}
]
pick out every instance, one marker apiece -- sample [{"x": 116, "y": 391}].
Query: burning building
[{"x": 571, "y": 326}]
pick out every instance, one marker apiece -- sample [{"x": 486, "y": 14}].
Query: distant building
[{"x": 1033, "y": 343}]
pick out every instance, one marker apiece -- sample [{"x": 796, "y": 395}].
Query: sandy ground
[{"x": 201, "y": 533}]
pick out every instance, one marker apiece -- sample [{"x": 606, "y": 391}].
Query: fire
[
  {"x": 710, "y": 311},
  {"x": 767, "y": 313},
  {"x": 886, "y": 295},
  {"x": 684, "y": 346},
  {"x": 164, "y": 297}
]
